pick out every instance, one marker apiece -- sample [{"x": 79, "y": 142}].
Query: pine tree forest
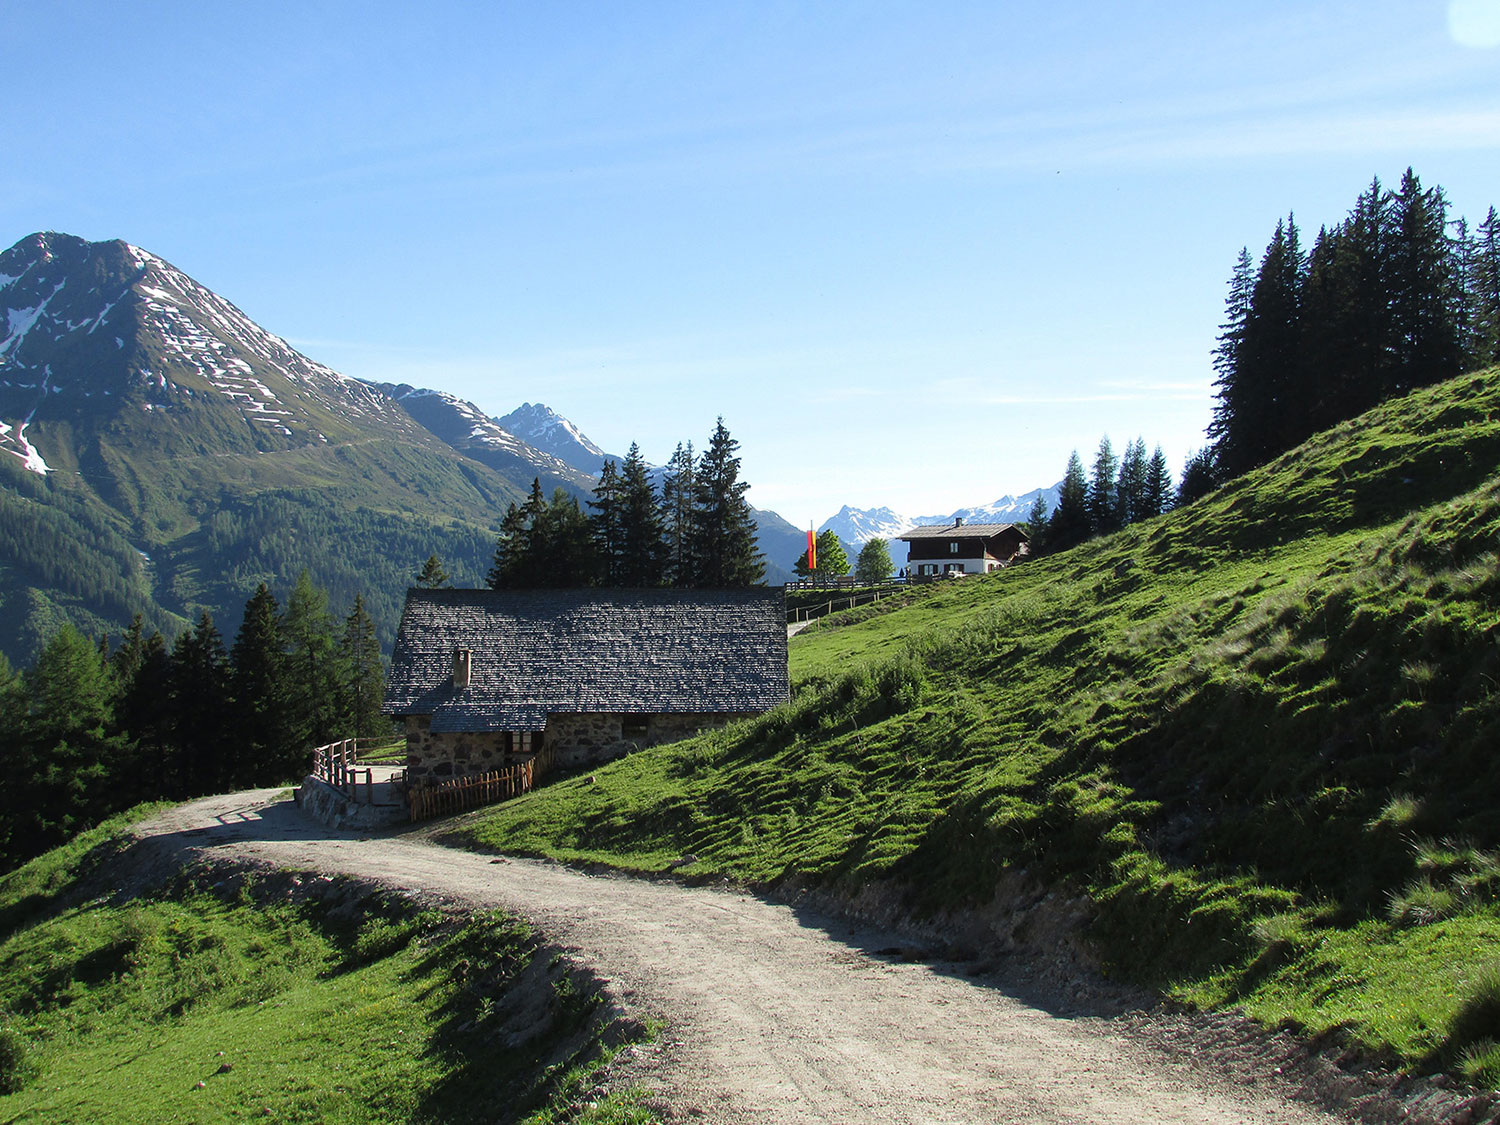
[
  {"x": 1396, "y": 296},
  {"x": 1119, "y": 490},
  {"x": 99, "y": 726},
  {"x": 696, "y": 530}
]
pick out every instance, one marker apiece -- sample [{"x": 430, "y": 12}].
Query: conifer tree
[
  {"x": 126, "y": 659},
  {"x": 16, "y": 758},
  {"x": 723, "y": 544},
  {"x": 1484, "y": 285},
  {"x": 364, "y": 675},
  {"x": 69, "y": 755},
  {"x": 1267, "y": 360},
  {"x": 678, "y": 492},
  {"x": 606, "y": 525},
  {"x": 1200, "y": 476},
  {"x": 1101, "y": 501},
  {"x": 1036, "y": 527},
  {"x": 1350, "y": 345},
  {"x": 264, "y": 732},
  {"x": 510, "y": 568},
  {"x": 143, "y": 679},
  {"x": 643, "y": 544},
  {"x": 1466, "y": 262},
  {"x": 1230, "y": 394},
  {"x": 1158, "y": 485},
  {"x": 562, "y": 547},
  {"x": 202, "y": 709},
  {"x": 1130, "y": 490},
  {"x": 1069, "y": 522},
  {"x": 432, "y": 576},
  {"x": 1424, "y": 295},
  {"x": 313, "y": 675},
  {"x": 874, "y": 564}
]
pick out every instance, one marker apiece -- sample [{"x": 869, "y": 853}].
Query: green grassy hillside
[
  {"x": 224, "y": 995},
  {"x": 1258, "y": 734}
]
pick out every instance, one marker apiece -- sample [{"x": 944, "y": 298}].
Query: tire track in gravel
[{"x": 774, "y": 1014}]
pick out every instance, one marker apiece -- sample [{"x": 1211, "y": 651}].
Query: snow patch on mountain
[
  {"x": 31, "y": 457},
  {"x": 549, "y": 431},
  {"x": 195, "y": 334}
]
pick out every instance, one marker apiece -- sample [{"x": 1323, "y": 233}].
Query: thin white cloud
[{"x": 1474, "y": 23}]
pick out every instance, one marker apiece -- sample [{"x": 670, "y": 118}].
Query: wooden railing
[
  {"x": 334, "y": 764},
  {"x": 843, "y": 601},
  {"x": 465, "y": 793}
]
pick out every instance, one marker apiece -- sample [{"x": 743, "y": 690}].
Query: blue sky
[{"x": 914, "y": 253}]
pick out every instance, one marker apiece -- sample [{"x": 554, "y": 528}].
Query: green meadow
[
  {"x": 1258, "y": 733},
  {"x": 225, "y": 996}
]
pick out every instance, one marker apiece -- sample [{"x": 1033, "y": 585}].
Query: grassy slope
[
  {"x": 249, "y": 999},
  {"x": 1244, "y": 729}
]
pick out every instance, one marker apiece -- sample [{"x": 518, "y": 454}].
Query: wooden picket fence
[{"x": 465, "y": 793}]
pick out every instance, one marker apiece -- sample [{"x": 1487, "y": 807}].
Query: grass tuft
[
  {"x": 1420, "y": 904},
  {"x": 1477, "y": 1018}
]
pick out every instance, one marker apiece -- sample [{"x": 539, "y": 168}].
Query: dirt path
[{"x": 775, "y": 1015}]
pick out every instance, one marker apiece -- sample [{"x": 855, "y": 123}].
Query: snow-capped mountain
[
  {"x": 91, "y": 326},
  {"x": 550, "y": 432},
  {"x": 1007, "y": 509},
  {"x": 473, "y": 433},
  {"x": 857, "y": 526}
]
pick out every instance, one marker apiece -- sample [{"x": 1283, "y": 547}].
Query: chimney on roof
[
  {"x": 958, "y": 521},
  {"x": 462, "y": 657}
]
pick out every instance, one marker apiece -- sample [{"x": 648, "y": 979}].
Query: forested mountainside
[{"x": 166, "y": 454}]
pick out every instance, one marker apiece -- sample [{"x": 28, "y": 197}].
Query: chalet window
[
  {"x": 953, "y": 548},
  {"x": 633, "y": 726}
]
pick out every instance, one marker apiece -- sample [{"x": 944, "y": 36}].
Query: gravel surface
[{"x": 777, "y": 1014}]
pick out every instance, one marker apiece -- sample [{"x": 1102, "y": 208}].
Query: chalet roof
[
  {"x": 539, "y": 652},
  {"x": 958, "y": 531}
]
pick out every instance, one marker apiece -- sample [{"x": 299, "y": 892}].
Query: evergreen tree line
[
  {"x": 697, "y": 529},
  {"x": 1394, "y": 297},
  {"x": 1120, "y": 490},
  {"x": 96, "y": 728}
]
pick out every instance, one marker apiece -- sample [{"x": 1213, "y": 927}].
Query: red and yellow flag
[{"x": 812, "y": 550}]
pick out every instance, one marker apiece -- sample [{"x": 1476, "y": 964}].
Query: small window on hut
[{"x": 633, "y": 727}]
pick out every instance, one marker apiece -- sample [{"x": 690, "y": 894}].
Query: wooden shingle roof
[
  {"x": 541, "y": 652},
  {"x": 958, "y": 531}
]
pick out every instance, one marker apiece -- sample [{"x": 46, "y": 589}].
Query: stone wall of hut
[
  {"x": 441, "y": 756},
  {"x": 569, "y": 742}
]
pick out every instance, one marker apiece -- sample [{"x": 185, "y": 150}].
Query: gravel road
[{"x": 775, "y": 1014}]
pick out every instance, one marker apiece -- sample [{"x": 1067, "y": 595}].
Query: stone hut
[{"x": 487, "y": 678}]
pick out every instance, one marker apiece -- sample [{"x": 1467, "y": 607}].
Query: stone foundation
[
  {"x": 569, "y": 742},
  {"x": 332, "y": 809},
  {"x": 580, "y": 741}
]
